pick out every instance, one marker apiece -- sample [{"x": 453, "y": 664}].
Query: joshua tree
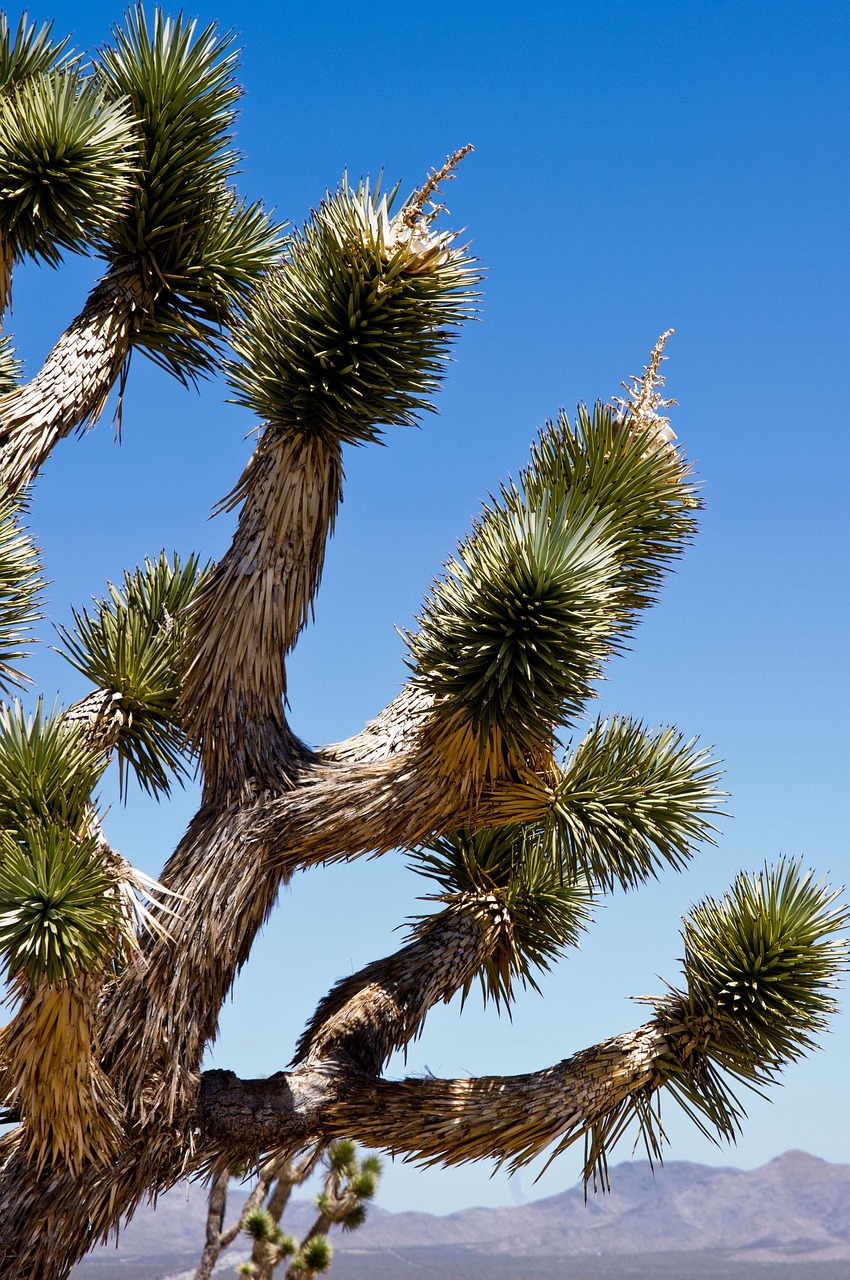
[
  {"x": 349, "y": 1183},
  {"x": 337, "y": 333}
]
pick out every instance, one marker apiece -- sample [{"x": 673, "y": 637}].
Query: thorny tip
[
  {"x": 414, "y": 210},
  {"x": 644, "y": 399},
  {"x": 410, "y": 231}
]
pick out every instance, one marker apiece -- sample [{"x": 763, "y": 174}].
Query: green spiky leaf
[
  {"x": 345, "y": 335},
  {"x": 341, "y": 1156},
  {"x": 11, "y": 368},
  {"x": 29, "y": 52},
  {"x": 761, "y": 966},
  {"x": 222, "y": 256},
  {"x": 316, "y": 1253},
  {"x": 544, "y": 913},
  {"x": 355, "y": 1218},
  {"x": 363, "y": 1185},
  {"x": 58, "y": 910},
  {"x": 259, "y": 1224},
  {"x": 763, "y": 963},
  {"x": 548, "y": 583},
  {"x": 197, "y": 246},
  {"x": 604, "y": 461},
  {"x": 630, "y": 801},
  {"x": 130, "y": 644},
  {"x": 21, "y": 586},
  {"x": 65, "y": 156},
  {"x": 47, "y": 773},
  {"x": 514, "y": 635}
]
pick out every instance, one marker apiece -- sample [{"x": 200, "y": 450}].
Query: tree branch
[
  {"x": 248, "y": 614},
  {"x": 72, "y": 387},
  {"x": 508, "y": 1118}
]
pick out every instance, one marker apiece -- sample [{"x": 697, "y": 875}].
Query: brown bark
[
  {"x": 333, "y": 1092},
  {"x": 247, "y": 616},
  {"x": 506, "y": 1118},
  {"x": 72, "y": 387},
  {"x": 369, "y": 794}
]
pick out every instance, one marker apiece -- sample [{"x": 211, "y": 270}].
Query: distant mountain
[{"x": 790, "y": 1219}]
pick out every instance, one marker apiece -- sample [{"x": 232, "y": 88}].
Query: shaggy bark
[
  {"x": 506, "y": 1118},
  {"x": 72, "y": 387},
  {"x": 179, "y": 1122},
  {"x": 249, "y": 613}
]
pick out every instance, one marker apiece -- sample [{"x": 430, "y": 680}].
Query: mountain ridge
[{"x": 791, "y": 1212}]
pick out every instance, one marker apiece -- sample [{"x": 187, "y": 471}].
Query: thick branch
[
  {"x": 384, "y": 1006},
  {"x": 249, "y": 613},
  {"x": 507, "y": 1118}
]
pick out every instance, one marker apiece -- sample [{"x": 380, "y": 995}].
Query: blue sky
[{"x": 636, "y": 168}]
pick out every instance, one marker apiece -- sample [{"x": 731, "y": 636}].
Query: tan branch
[
  {"x": 248, "y": 614},
  {"x": 71, "y": 389},
  {"x": 508, "y": 1118}
]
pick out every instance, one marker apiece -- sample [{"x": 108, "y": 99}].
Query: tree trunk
[
  {"x": 216, "y": 1119},
  {"x": 247, "y": 616}
]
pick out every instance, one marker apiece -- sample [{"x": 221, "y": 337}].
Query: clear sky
[{"x": 637, "y": 167}]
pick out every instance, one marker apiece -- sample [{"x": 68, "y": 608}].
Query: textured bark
[
  {"x": 272, "y": 806},
  {"x": 506, "y": 1118},
  {"x": 247, "y": 616},
  {"x": 72, "y": 387},
  {"x": 101, "y": 718},
  {"x": 216, "y": 1120},
  {"x": 369, "y": 794}
]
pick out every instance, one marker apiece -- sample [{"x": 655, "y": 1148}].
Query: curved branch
[
  {"x": 248, "y": 614},
  {"x": 71, "y": 389},
  {"x": 384, "y": 1006}
]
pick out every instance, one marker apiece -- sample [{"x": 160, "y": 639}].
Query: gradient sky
[{"x": 637, "y": 167}]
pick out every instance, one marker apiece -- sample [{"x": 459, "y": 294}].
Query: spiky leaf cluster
[
  {"x": 259, "y": 1224},
  {"x": 315, "y": 1256},
  {"x": 547, "y": 584},
  {"x": 631, "y": 800},
  {"x": 29, "y": 52},
  {"x": 197, "y": 246},
  {"x": 47, "y": 773},
  {"x": 608, "y": 460},
  {"x": 20, "y": 593},
  {"x": 762, "y": 963},
  {"x": 544, "y": 912},
  {"x": 346, "y": 336},
  {"x": 760, "y": 968},
  {"x": 355, "y": 1218},
  {"x": 58, "y": 913},
  {"x": 65, "y": 157},
  {"x": 341, "y": 1157},
  {"x": 130, "y": 644},
  {"x": 363, "y": 1184},
  {"x": 11, "y": 367},
  {"x": 514, "y": 635}
]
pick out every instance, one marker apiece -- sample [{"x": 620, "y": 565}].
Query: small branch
[
  {"x": 414, "y": 210},
  {"x": 215, "y": 1217}
]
